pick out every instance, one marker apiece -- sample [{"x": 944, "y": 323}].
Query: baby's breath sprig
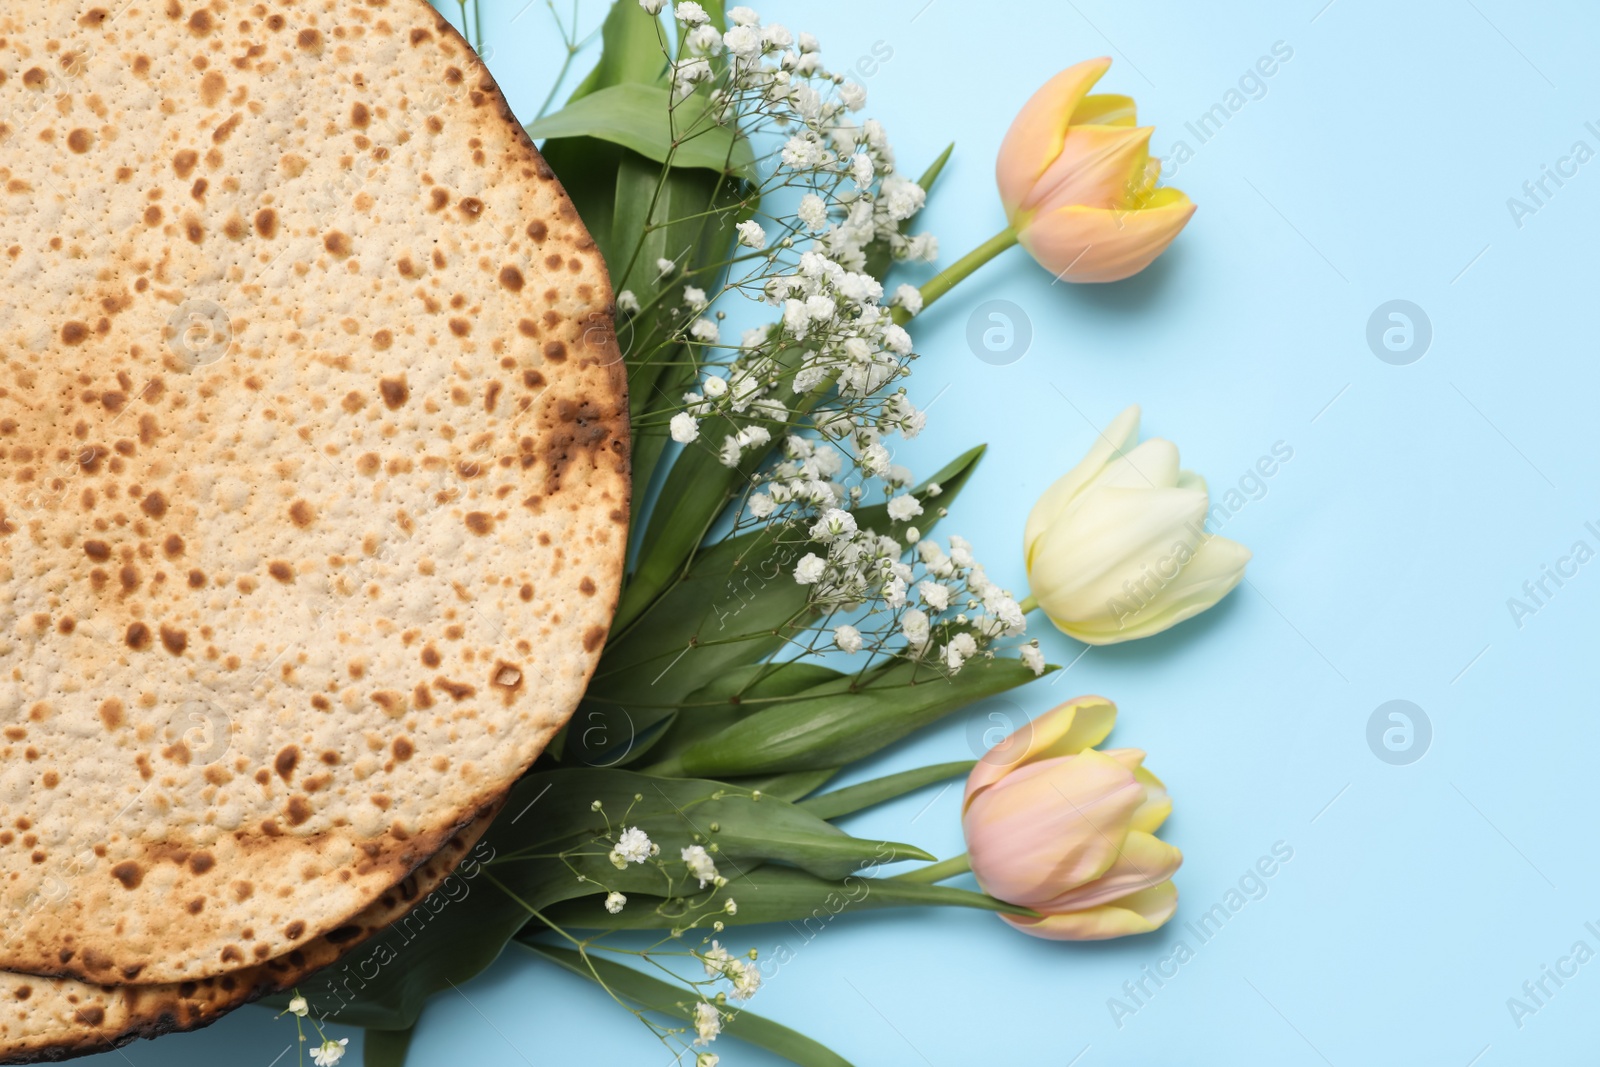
[{"x": 815, "y": 396}]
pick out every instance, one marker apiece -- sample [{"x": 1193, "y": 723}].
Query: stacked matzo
[{"x": 313, "y": 482}]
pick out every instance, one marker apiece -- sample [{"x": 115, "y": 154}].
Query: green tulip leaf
[
  {"x": 633, "y": 49},
  {"x": 736, "y": 827},
  {"x": 643, "y": 117},
  {"x": 843, "y": 721},
  {"x": 854, "y": 798},
  {"x": 781, "y": 895}
]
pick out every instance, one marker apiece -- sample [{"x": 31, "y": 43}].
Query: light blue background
[{"x": 1419, "y": 498}]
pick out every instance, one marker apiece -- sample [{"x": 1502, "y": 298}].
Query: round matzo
[
  {"x": 314, "y": 488},
  {"x": 54, "y": 1018}
]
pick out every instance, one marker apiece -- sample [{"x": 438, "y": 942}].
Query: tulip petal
[
  {"x": 1217, "y": 567},
  {"x": 1040, "y": 128},
  {"x": 1052, "y": 825},
  {"x": 1152, "y": 465},
  {"x": 1106, "y": 109},
  {"x": 1080, "y": 723},
  {"x": 1109, "y": 443},
  {"x": 1113, "y": 556},
  {"x": 1136, "y": 913},
  {"x": 1157, "y": 805},
  {"x": 1143, "y": 860},
  {"x": 1084, "y": 244},
  {"x": 1099, "y": 166}
]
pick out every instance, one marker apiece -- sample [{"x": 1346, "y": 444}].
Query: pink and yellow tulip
[
  {"x": 1058, "y": 827},
  {"x": 1079, "y": 184}
]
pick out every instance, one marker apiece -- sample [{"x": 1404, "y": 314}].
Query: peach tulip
[
  {"x": 1067, "y": 831},
  {"x": 1079, "y": 185}
]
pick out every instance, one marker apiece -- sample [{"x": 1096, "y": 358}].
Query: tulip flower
[
  {"x": 1069, "y": 832},
  {"x": 1079, "y": 185},
  {"x": 1117, "y": 548}
]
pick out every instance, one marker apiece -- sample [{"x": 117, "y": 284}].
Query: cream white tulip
[{"x": 1117, "y": 548}]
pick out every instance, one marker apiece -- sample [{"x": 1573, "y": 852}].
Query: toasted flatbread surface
[
  {"x": 313, "y": 470},
  {"x": 56, "y": 1018}
]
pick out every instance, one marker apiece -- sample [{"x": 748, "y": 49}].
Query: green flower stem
[
  {"x": 936, "y": 872},
  {"x": 952, "y": 275},
  {"x": 1028, "y": 604}
]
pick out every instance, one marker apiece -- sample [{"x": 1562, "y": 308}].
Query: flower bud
[
  {"x": 1079, "y": 184},
  {"x": 1117, "y": 548},
  {"x": 1057, "y": 827}
]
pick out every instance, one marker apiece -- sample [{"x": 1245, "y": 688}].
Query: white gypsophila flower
[
  {"x": 751, "y": 235},
  {"x": 730, "y": 906},
  {"x": 665, "y": 267},
  {"x": 730, "y": 452},
  {"x": 634, "y": 845},
  {"x": 923, "y": 247},
  {"x": 651, "y": 7},
  {"x": 912, "y": 535},
  {"x": 813, "y": 211},
  {"x": 707, "y": 1059},
  {"x": 690, "y": 13},
  {"x": 743, "y": 41},
  {"x": 615, "y": 902},
  {"x": 714, "y": 386},
  {"x": 743, "y": 16},
  {"x": 904, "y": 507},
  {"x": 684, "y": 427},
  {"x": 861, "y": 169},
  {"x": 687, "y": 74},
  {"x": 707, "y": 1023},
  {"x": 716, "y": 960},
  {"x": 704, "y": 40},
  {"x": 914, "y": 624},
  {"x": 777, "y": 36},
  {"x": 694, "y": 298},
  {"x": 934, "y": 595},
  {"x": 705, "y": 331},
  {"x": 960, "y": 648},
  {"x": 299, "y": 1007},
  {"x": 810, "y": 569},
  {"x": 329, "y": 1052},
  {"x": 1033, "y": 658},
  {"x": 834, "y": 525},
  {"x": 910, "y": 298},
  {"x": 627, "y": 303},
  {"x": 853, "y": 95},
  {"x": 746, "y": 981},
  {"x": 760, "y": 505},
  {"x": 802, "y": 152},
  {"x": 896, "y": 340},
  {"x": 699, "y": 863},
  {"x": 847, "y": 639}
]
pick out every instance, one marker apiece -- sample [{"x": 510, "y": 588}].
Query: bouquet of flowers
[{"x": 792, "y": 605}]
